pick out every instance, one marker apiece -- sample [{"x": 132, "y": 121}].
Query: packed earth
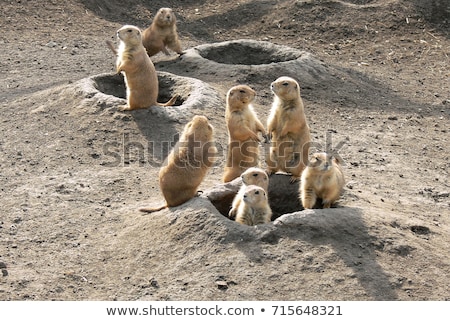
[{"x": 74, "y": 170}]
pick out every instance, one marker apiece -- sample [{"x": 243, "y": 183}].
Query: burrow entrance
[
  {"x": 283, "y": 195},
  {"x": 114, "y": 85},
  {"x": 248, "y": 52}
]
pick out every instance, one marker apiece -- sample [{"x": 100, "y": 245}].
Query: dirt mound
[
  {"x": 249, "y": 60},
  {"x": 74, "y": 170},
  {"x": 248, "y": 52}
]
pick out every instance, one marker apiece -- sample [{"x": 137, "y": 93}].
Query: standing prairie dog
[
  {"x": 162, "y": 33},
  {"x": 243, "y": 128},
  {"x": 254, "y": 208},
  {"x": 288, "y": 129},
  {"x": 141, "y": 79},
  {"x": 322, "y": 179},
  {"x": 251, "y": 176},
  {"x": 187, "y": 163}
]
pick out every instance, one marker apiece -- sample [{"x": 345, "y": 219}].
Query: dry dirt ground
[{"x": 74, "y": 170}]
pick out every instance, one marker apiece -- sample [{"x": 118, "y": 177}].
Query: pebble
[
  {"x": 443, "y": 194},
  {"x": 51, "y": 44},
  {"x": 3, "y": 268},
  {"x": 223, "y": 285},
  {"x": 154, "y": 283}
]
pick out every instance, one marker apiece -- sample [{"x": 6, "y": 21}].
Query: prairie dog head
[
  {"x": 286, "y": 88},
  {"x": 321, "y": 162},
  {"x": 130, "y": 35},
  {"x": 255, "y": 176},
  {"x": 240, "y": 96},
  {"x": 255, "y": 196},
  {"x": 165, "y": 17},
  {"x": 199, "y": 128}
]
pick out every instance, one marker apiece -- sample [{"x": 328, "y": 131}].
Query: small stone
[
  {"x": 222, "y": 285},
  {"x": 443, "y": 194},
  {"x": 51, "y": 44},
  {"x": 421, "y": 230},
  {"x": 154, "y": 283}
]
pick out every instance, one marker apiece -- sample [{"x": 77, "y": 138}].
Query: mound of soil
[{"x": 74, "y": 170}]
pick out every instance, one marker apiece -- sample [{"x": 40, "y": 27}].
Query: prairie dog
[
  {"x": 288, "y": 129},
  {"x": 251, "y": 176},
  {"x": 254, "y": 208},
  {"x": 141, "y": 79},
  {"x": 322, "y": 179},
  {"x": 243, "y": 128},
  {"x": 162, "y": 33},
  {"x": 187, "y": 163}
]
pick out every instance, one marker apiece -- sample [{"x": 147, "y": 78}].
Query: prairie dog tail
[
  {"x": 148, "y": 210},
  {"x": 111, "y": 46},
  {"x": 170, "y": 102}
]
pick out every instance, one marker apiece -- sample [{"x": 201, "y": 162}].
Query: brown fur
[
  {"x": 162, "y": 33},
  {"x": 141, "y": 79},
  {"x": 288, "y": 129},
  {"x": 243, "y": 127},
  {"x": 251, "y": 176},
  {"x": 187, "y": 164},
  {"x": 254, "y": 208},
  {"x": 323, "y": 178}
]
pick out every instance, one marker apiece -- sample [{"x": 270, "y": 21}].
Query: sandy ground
[{"x": 74, "y": 170}]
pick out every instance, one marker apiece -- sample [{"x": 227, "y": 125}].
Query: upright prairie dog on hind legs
[
  {"x": 162, "y": 33},
  {"x": 243, "y": 128},
  {"x": 187, "y": 163},
  {"x": 322, "y": 179},
  {"x": 288, "y": 129},
  {"x": 141, "y": 79},
  {"x": 254, "y": 208},
  {"x": 251, "y": 176}
]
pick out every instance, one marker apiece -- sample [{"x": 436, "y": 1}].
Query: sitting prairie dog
[
  {"x": 187, "y": 163},
  {"x": 322, "y": 179},
  {"x": 162, "y": 33},
  {"x": 288, "y": 130},
  {"x": 243, "y": 127},
  {"x": 254, "y": 208},
  {"x": 251, "y": 176},
  {"x": 141, "y": 79}
]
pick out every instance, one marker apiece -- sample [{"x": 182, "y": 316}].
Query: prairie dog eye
[
  {"x": 255, "y": 174},
  {"x": 285, "y": 84},
  {"x": 257, "y": 192}
]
